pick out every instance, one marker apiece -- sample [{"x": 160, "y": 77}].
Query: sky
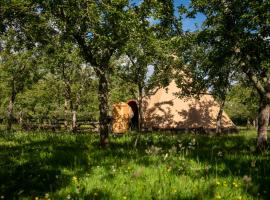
[{"x": 188, "y": 24}]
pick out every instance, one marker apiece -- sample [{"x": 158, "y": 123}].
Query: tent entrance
[{"x": 134, "y": 123}]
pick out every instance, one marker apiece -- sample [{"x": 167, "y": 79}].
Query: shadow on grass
[{"x": 36, "y": 163}]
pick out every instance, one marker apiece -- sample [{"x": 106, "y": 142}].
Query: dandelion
[
  {"x": 235, "y": 184},
  {"x": 218, "y": 196},
  {"x": 47, "y": 195},
  {"x": 225, "y": 183},
  {"x": 74, "y": 179}
]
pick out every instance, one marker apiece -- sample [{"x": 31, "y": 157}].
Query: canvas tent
[{"x": 164, "y": 110}]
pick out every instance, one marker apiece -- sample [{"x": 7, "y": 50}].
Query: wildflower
[
  {"x": 74, "y": 179},
  {"x": 36, "y": 198},
  {"x": 217, "y": 183},
  {"x": 235, "y": 184},
  {"x": 239, "y": 198},
  {"x": 225, "y": 184},
  {"x": 247, "y": 179},
  {"x": 193, "y": 141},
  {"x": 166, "y": 155},
  {"x": 218, "y": 196},
  {"x": 47, "y": 195},
  {"x": 124, "y": 197}
]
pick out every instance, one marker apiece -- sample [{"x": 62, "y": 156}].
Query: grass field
[{"x": 37, "y": 165}]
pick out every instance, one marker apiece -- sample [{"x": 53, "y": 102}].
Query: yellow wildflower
[
  {"x": 36, "y": 198},
  {"x": 74, "y": 179},
  {"x": 124, "y": 197},
  {"x": 217, "y": 183},
  {"x": 225, "y": 183},
  {"x": 47, "y": 195},
  {"x": 218, "y": 196},
  {"x": 239, "y": 198},
  {"x": 235, "y": 184}
]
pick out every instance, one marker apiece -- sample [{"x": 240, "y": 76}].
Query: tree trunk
[
  {"x": 74, "y": 121},
  {"x": 140, "y": 109},
  {"x": 140, "y": 114},
  {"x": 10, "y": 110},
  {"x": 219, "y": 117},
  {"x": 263, "y": 121},
  {"x": 66, "y": 114},
  {"x": 21, "y": 118},
  {"x": 103, "y": 91}
]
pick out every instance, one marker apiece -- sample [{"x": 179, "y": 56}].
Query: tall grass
[{"x": 163, "y": 166}]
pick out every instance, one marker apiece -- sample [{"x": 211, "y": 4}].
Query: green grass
[{"x": 163, "y": 166}]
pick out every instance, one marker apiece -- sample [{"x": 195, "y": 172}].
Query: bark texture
[
  {"x": 263, "y": 121},
  {"x": 103, "y": 108}
]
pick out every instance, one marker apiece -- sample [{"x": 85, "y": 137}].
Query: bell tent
[{"x": 164, "y": 110}]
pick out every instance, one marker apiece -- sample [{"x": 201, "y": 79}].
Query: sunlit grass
[{"x": 163, "y": 166}]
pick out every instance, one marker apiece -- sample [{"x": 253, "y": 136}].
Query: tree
[
  {"x": 239, "y": 31},
  {"x": 100, "y": 29},
  {"x": 242, "y": 104},
  {"x": 18, "y": 69},
  {"x": 148, "y": 46},
  {"x": 21, "y": 26},
  {"x": 76, "y": 77}
]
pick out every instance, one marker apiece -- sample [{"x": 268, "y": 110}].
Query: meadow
[{"x": 45, "y": 165}]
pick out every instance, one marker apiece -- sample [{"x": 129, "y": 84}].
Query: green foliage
[
  {"x": 234, "y": 39},
  {"x": 242, "y": 104},
  {"x": 60, "y": 166}
]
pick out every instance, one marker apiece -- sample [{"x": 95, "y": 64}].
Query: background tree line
[{"x": 72, "y": 58}]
